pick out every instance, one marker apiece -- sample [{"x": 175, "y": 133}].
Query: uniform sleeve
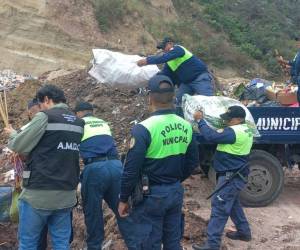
[
  {"x": 176, "y": 52},
  {"x": 25, "y": 141},
  {"x": 297, "y": 65},
  {"x": 224, "y": 136},
  {"x": 140, "y": 141},
  {"x": 191, "y": 159}
]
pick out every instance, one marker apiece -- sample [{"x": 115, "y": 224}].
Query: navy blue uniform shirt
[
  {"x": 222, "y": 161},
  {"x": 186, "y": 72},
  {"x": 167, "y": 170}
]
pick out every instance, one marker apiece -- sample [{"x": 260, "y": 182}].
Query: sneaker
[
  {"x": 205, "y": 247},
  {"x": 238, "y": 236}
]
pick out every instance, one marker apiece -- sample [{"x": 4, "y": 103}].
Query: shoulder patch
[
  {"x": 221, "y": 130},
  {"x": 132, "y": 143}
]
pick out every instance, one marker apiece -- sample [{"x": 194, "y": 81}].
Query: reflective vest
[
  {"x": 94, "y": 126},
  {"x": 175, "y": 63},
  {"x": 243, "y": 142},
  {"x": 54, "y": 163},
  {"x": 170, "y": 135}
]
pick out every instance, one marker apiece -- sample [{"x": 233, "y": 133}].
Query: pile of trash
[
  {"x": 263, "y": 93},
  {"x": 11, "y": 80}
]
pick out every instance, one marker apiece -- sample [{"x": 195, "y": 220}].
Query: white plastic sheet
[
  {"x": 114, "y": 68},
  {"x": 212, "y": 107}
]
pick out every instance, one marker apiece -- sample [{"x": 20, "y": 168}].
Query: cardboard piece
[{"x": 282, "y": 96}]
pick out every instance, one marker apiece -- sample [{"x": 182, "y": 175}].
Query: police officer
[
  {"x": 163, "y": 153},
  {"x": 185, "y": 69},
  {"x": 234, "y": 145},
  {"x": 101, "y": 176}
]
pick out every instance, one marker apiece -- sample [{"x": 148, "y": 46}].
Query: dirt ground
[{"x": 274, "y": 227}]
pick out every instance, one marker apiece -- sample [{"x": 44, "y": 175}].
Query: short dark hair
[
  {"x": 163, "y": 98},
  {"x": 53, "y": 92}
]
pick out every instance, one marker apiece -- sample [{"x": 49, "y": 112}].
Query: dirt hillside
[{"x": 40, "y": 35}]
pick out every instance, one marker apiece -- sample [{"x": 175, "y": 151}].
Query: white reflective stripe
[
  {"x": 64, "y": 127},
  {"x": 26, "y": 174}
]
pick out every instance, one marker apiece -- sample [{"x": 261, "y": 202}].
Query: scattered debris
[{"x": 10, "y": 79}]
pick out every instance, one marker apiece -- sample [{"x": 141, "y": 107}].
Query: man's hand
[
  {"x": 280, "y": 60},
  {"x": 142, "y": 62},
  {"x": 198, "y": 115},
  {"x": 123, "y": 209},
  {"x": 8, "y": 130}
]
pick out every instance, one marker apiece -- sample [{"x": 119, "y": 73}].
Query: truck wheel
[{"x": 265, "y": 181}]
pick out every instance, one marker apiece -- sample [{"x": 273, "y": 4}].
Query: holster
[{"x": 137, "y": 195}]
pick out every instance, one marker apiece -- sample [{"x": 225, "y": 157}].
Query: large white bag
[
  {"x": 115, "y": 69},
  {"x": 212, "y": 107}
]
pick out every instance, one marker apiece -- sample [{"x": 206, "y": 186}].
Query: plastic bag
[
  {"x": 256, "y": 90},
  {"x": 9, "y": 197},
  {"x": 5, "y": 202},
  {"x": 114, "y": 68},
  {"x": 14, "y": 210},
  {"x": 212, "y": 107}
]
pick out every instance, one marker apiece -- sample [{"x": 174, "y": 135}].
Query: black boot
[
  {"x": 238, "y": 236},
  {"x": 204, "y": 247}
]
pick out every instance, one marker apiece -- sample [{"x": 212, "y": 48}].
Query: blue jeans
[
  {"x": 101, "y": 180},
  {"x": 43, "y": 240},
  {"x": 225, "y": 204},
  {"x": 158, "y": 219},
  {"x": 202, "y": 85},
  {"x": 32, "y": 221}
]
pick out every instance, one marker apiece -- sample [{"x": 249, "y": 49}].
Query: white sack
[
  {"x": 115, "y": 69},
  {"x": 212, "y": 107}
]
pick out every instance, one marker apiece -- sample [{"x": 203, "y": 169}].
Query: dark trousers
[
  {"x": 101, "y": 181},
  {"x": 202, "y": 85},
  {"x": 158, "y": 219},
  {"x": 225, "y": 204}
]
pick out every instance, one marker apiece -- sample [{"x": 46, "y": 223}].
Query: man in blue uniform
[
  {"x": 186, "y": 70},
  {"x": 162, "y": 153},
  {"x": 101, "y": 176},
  {"x": 234, "y": 145},
  {"x": 294, "y": 66}
]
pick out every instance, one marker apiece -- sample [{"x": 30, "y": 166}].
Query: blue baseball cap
[
  {"x": 234, "y": 112},
  {"x": 32, "y": 103},
  {"x": 162, "y": 44},
  {"x": 155, "y": 81},
  {"x": 83, "y": 106}
]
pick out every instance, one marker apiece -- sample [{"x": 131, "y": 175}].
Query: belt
[{"x": 96, "y": 159}]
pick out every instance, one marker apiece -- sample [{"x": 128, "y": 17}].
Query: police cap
[
  {"x": 155, "y": 81},
  {"x": 234, "y": 112},
  {"x": 32, "y": 103},
  {"x": 82, "y": 106},
  {"x": 162, "y": 44}
]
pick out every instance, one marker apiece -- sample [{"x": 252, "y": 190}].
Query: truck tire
[{"x": 265, "y": 181}]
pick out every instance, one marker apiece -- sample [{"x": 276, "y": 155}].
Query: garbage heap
[{"x": 11, "y": 80}]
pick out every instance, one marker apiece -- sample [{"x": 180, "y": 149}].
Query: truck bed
[{"x": 277, "y": 125}]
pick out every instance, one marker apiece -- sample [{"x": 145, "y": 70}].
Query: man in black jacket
[{"x": 50, "y": 178}]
